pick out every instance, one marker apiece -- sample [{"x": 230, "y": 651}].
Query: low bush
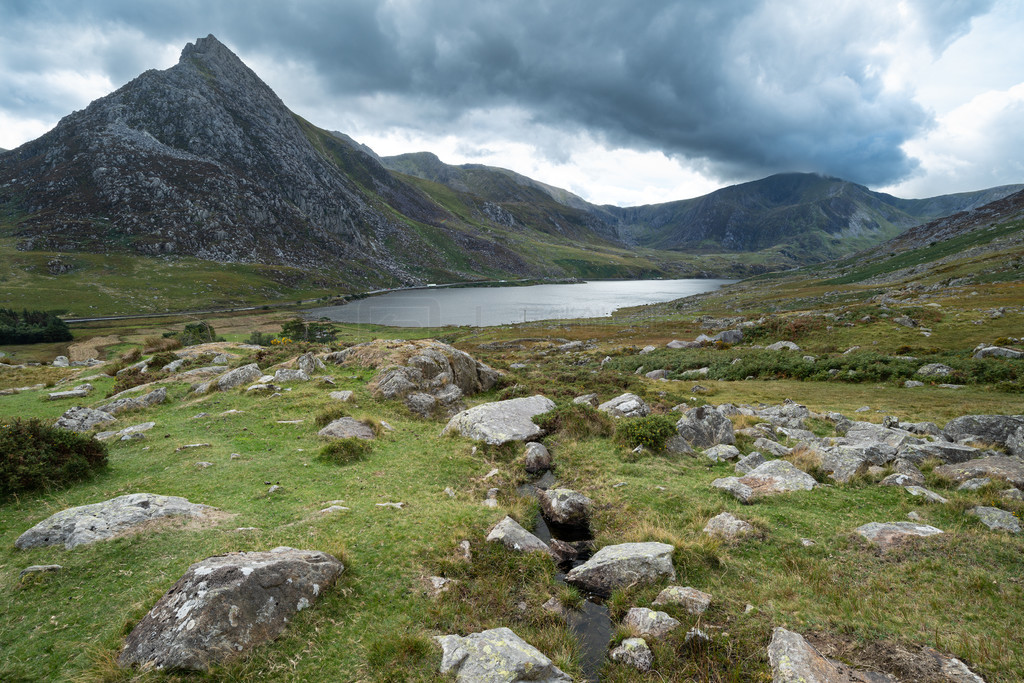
[
  {"x": 651, "y": 432},
  {"x": 35, "y": 455},
  {"x": 329, "y": 415},
  {"x": 344, "y": 451},
  {"x": 575, "y": 421}
]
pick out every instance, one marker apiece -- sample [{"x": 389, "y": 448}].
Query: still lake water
[{"x": 485, "y": 306}]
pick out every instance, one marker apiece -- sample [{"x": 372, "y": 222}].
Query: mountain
[{"x": 203, "y": 159}]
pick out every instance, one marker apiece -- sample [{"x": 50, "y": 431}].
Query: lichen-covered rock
[
  {"x": 770, "y": 478},
  {"x": 722, "y": 453},
  {"x": 889, "y": 534},
  {"x": 513, "y": 536},
  {"x": 290, "y": 375},
  {"x": 1001, "y": 430},
  {"x": 843, "y": 463},
  {"x": 496, "y": 656},
  {"x": 565, "y": 506},
  {"x": 80, "y": 419},
  {"x": 625, "y": 405},
  {"x": 649, "y": 623},
  {"x": 239, "y": 376},
  {"x": 996, "y": 466},
  {"x": 690, "y": 599},
  {"x": 99, "y": 521},
  {"x": 347, "y": 427},
  {"x": 704, "y": 427},
  {"x": 502, "y": 421},
  {"x": 635, "y": 653},
  {"x": 226, "y": 605},
  {"x": 126, "y": 404},
  {"x": 727, "y": 526},
  {"x": 749, "y": 462},
  {"x": 614, "y": 566},
  {"x": 783, "y": 346},
  {"x": 935, "y": 370},
  {"x": 996, "y": 519},
  {"x": 794, "y": 660}
]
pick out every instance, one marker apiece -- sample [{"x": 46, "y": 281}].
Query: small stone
[
  {"x": 727, "y": 526},
  {"x": 722, "y": 453},
  {"x": 202, "y": 464},
  {"x": 396, "y": 506},
  {"x": 274, "y": 489},
  {"x": 691, "y": 599},
  {"x": 649, "y": 623},
  {"x": 922, "y": 492},
  {"x": 334, "y": 508},
  {"x": 40, "y": 569},
  {"x": 449, "y": 492},
  {"x": 914, "y": 516},
  {"x": 806, "y": 542}
]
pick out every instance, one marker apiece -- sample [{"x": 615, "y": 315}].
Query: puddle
[{"x": 591, "y": 624}]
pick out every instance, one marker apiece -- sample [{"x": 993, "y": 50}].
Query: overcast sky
[{"x": 620, "y": 101}]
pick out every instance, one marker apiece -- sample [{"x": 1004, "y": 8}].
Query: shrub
[
  {"x": 575, "y": 421},
  {"x": 200, "y": 332},
  {"x": 161, "y": 359},
  {"x": 133, "y": 378},
  {"x": 321, "y": 332},
  {"x": 651, "y": 432},
  {"x": 32, "y": 327},
  {"x": 259, "y": 338},
  {"x": 344, "y": 451},
  {"x": 34, "y": 455},
  {"x": 158, "y": 344}
]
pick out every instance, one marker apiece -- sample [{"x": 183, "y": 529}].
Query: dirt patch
[
  {"x": 91, "y": 348},
  {"x": 920, "y": 664}
]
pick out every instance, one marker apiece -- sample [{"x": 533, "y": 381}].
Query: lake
[{"x": 486, "y": 306}]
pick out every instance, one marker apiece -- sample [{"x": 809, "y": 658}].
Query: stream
[{"x": 591, "y": 624}]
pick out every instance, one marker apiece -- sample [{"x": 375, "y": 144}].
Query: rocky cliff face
[{"x": 204, "y": 159}]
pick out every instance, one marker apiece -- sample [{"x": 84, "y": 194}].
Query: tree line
[{"x": 31, "y": 327}]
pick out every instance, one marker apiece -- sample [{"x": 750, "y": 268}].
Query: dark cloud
[{"x": 744, "y": 87}]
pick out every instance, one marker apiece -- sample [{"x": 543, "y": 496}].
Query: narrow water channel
[{"x": 591, "y": 624}]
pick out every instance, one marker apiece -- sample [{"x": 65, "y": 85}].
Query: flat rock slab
[
  {"x": 614, "y": 566},
  {"x": 890, "y": 534},
  {"x": 794, "y": 660},
  {"x": 99, "y": 521},
  {"x": 496, "y": 656},
  {"x": 690, "y": 599},
  {"x": 502, "y": 421},
  {"x": 996, "y": 466},
  {"x": 770, "y": 478},
  {"x": 226, "y": 605},
  {"x": 513, "y": 536},
  {"x": 346, "y": 428},
  {"x": 996, "y": 519}
]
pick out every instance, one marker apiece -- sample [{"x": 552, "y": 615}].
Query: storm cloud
[{"x": 738, "y": 88}]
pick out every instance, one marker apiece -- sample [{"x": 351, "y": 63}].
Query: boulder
[
  {"x": 940, "y": 450},
  {"x": 749, "y": 462},
  {"x": 771, "y": 447},
  {"x": 984, "y": 352},
  {"x": 996, "y": 519},
  {"x": 935, "y": 370},
  {"x": 124, "y": 405},
  {"x": 722, "y": 453},
  {"x": 247, "y": 374},
  {"x": 309, "y": 363},
  {"x": 635, "y": 653},
  {"x": 421, "y": 404},
  {"x": 922, "y": 492},
  {"x": 996, "y": 466},
  {"x": 690, "y": 599},
  {"x": 614, "y": 566},
  {"x": 794, "y": 660},
  {"x": 502, "y": 421},
  {"x": 773, "y": 477},
  {"x": 727, "y": 526},
  {"x": 703, "y": 427},
  {"x": 347, "y": 427},
  {"x": 1002, "y": 430},
  {"x": 843, "y": 463},
  {"x": 343, "y": 396},
  {"x": 565, "y": 506},
  {"x": 289, "y": 375},
  {"x": 538, "y": 458},
  {"x": 656, "y": 374},
  {"x": 783, "y": 346},
  {"x": 80, "y": 419},
  {"x": 226, "y": 605},
  {"x": 509, "y": 533},
  {"x": 890, "y": 534},
  {"x": 99, "y": 521},
  {"x": 626, "y": 405},
  {"x": 61, "y": 362},
  {"x": 649, "y": 623},
  {"x": 587, "y": 399},
  {"x": 496, "y": 656}
]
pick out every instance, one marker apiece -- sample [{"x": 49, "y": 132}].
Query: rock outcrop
[
  {"x": 614, "y": 566},
  {"x": 502, "y": 421}
]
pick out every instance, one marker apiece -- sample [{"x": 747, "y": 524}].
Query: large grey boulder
[
  {"x": 309, "y": 363},
  {"x": 347, "y": 427},
  {"x": 99, "y": 521},
  {"x": 247, "y": 374},
  {"x": 565, "y": 506},
  {"x": 124, "y": 405},
  {"x": 496, "y": 656},
  {"x": 996, "y": 519},
  {"x": 996, "y": 466},
  {"x": 502, "y": 421},
  {"x": 703, "y": 427},
  {"x": 984, "y": 352},
  {"x": 1002, "y": 430},
  {"x": 226, "y": 605},
  {"x": 843, "y": 463},
  {"x": 887, "y": 535},
  {"x": 513, "y": 536},
  {"x": 771, "y": 478},
  {"x": 614, "y": 566},
  {"x": 290, "y": 375},
  {"x": 626, "y": 405},
  {"x": 794, "y": 660},
  {"x": 80, "y": 419}
]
